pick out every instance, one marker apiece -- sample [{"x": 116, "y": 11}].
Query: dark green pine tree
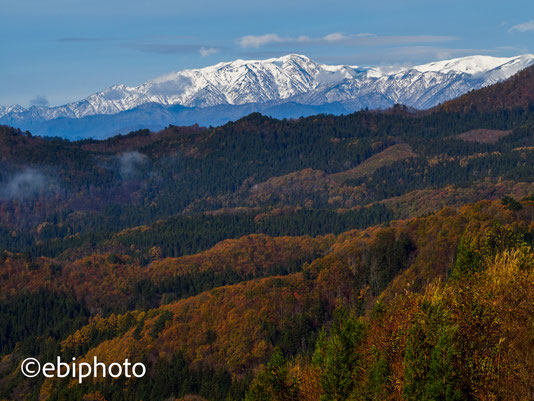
[
  {"x": 336, "y": 356},
  {"x": 272, "y": 382},
  {"x": 441, "y": 381}
]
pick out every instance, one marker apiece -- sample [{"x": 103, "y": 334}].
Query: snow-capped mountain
[
  {"x": 235, "y": 83},
  {"x": 292, "y": 78}
]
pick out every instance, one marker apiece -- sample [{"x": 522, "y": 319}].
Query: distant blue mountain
[{"x": 155, "y": 116}]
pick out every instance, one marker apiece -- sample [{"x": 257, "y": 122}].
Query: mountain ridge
[
  {"x": 229, "y": 90},
  {"x": 516, "y": 91}
]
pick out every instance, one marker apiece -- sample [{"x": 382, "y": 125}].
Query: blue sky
[{"x": 58, "y": 51}]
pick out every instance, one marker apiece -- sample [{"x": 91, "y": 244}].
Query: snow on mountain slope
[
  {"x": 467, "y": 65},
  {"x": 11, "y": 109},
  {"x": 292, "y": 78},
  {"x": 237, "y": 82},
  {"x": 422, "y": 86}
]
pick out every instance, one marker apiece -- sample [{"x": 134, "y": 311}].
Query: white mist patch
[
  {"x": 24, "y": 184},
  {"x": 330, "y": 77},
  {"x": 130, "y": 163},
  {"x": 170, "y": 85}
]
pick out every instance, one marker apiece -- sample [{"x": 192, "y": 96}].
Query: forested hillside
[
  {"x": 372, "y": 256},
  {"x": 517, "y": 91}
]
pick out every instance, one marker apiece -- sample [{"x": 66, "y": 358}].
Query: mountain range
[
  {"x": 287, "y": 87},
  {"x": 370, "y": 256}
]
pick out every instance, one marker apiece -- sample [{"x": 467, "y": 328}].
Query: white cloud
[
  {"x": 39, "y": 100},
  {"x": 262, "y": 40},
  {"x": 524, "y": 27},
  {"x": 257, "y": 41},
  {"x": 360, "y": 39},
  {"x": 339, "y": 37},
  {"x": 326, "y": 77},
  {"x": 269, "y": 38},
  {"x": 334, "y": 37},
  {"x": 207, "y": 51}
]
